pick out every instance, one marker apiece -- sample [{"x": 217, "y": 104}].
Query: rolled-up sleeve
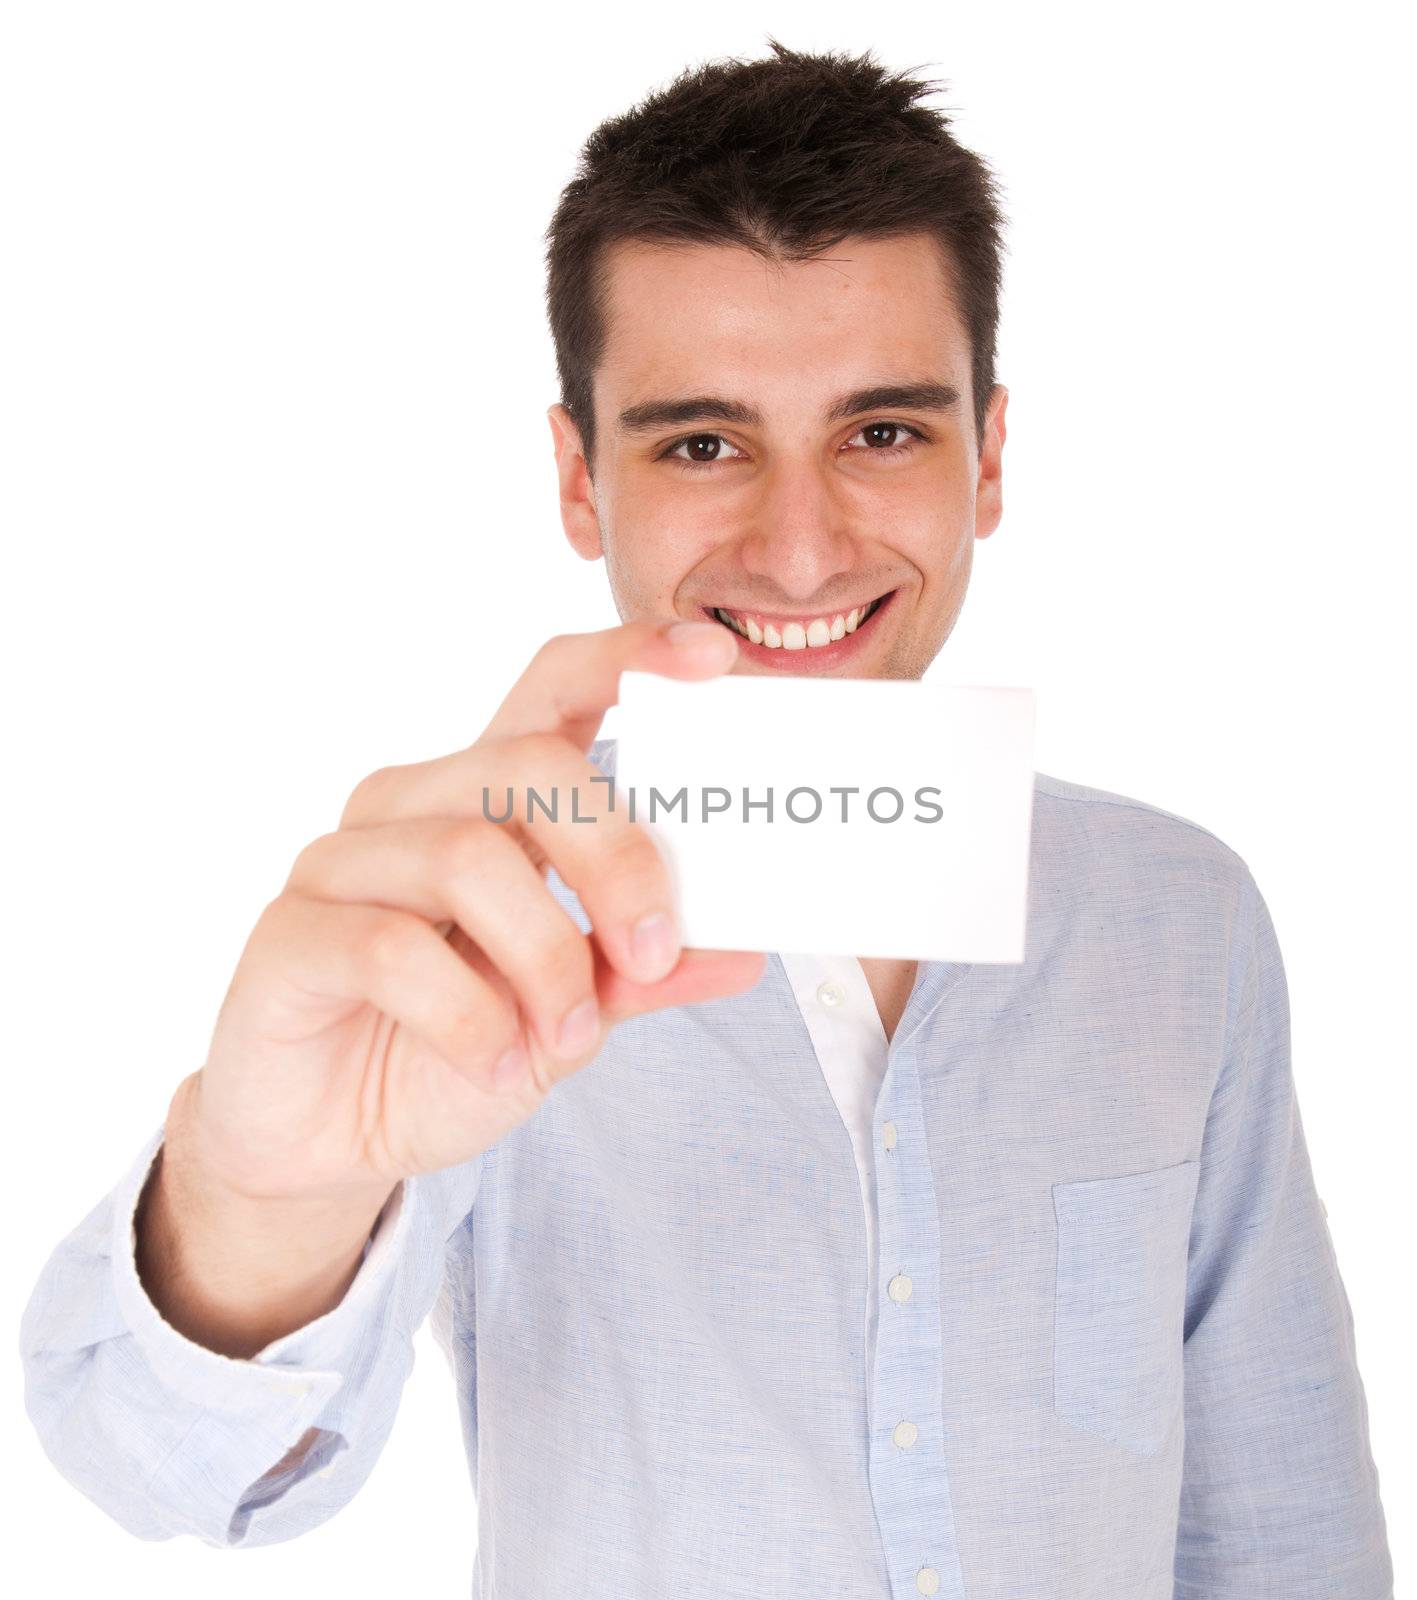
[
  {"x": 1280, "y": 1492},
  {"x": 169, "y": 1437}
]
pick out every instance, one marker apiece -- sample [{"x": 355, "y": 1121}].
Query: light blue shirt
[{"x": 1039, "y": 1302}]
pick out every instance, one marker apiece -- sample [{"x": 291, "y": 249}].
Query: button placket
[{"x": 909, "y": 1473}]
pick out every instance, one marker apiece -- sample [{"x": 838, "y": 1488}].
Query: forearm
[{"x": 234, "y": 1273}]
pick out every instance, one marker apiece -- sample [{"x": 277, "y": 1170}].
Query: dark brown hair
[{"x": 784, "y": 156}]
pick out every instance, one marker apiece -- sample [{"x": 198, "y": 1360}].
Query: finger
[
  {"x": 397, "y": 963},
  {"x": 475, "y": 875},
  {"x": 699, "y": 975},
  {"x": 571, "y": 682},
  {"x": 574, "y": 678},
  {"x": 613, "y": 864}
]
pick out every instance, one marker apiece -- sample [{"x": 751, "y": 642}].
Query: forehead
[{"x": 697, "y": 316}]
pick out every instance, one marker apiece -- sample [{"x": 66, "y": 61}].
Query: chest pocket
[{"x": 1120, "y": 1302}]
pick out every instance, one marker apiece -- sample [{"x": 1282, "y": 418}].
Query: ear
[
  {"x": 577, "y": 492},
  {"x": 989, "y": 492}
]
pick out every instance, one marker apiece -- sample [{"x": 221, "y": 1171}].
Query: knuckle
[
  {"x": 632, "y": 860},
  {"x": 362, "y": 799},
  {"x": 460, "y": 850},
  {"x": 308, "y": 863},
  {"x": 546, "y": 660},
  {"x": 282, "y": 927},
  {"x": 274, "y": 916},
  {"x": 389, "y": 942},
  {"x": 474, "y": 1026},
  {"x": 551, "y": 649},
  {"x": 563, "y": 963},
  {"x": 480, "y": 1032},
  {"x": 540, "y": 751}
]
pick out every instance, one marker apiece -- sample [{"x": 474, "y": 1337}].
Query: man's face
[{"x": 778, "y": 509}]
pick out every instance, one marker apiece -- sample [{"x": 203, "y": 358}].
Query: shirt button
[
  {"x": 899, "y": 1287},
  {"x": 927, "y": 1580},
  {"x": 888, "y": 1136},
  {"x": 831, "y": 993},
  {"x": 905, "y": 1434}
]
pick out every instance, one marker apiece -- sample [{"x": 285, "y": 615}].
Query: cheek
[
  {"x": 648, "y": 562},
  {"x": 667, "y": 536}
]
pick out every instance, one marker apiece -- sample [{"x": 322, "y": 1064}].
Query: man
[{"x": 828, "y": 1277}]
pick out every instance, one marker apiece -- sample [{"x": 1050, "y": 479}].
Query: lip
[{"x": 811, "y": 657}]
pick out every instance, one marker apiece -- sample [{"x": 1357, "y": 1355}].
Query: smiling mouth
[{"x": 802, "y": 633}]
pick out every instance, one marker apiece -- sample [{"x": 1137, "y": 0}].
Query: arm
[
  {"x": 1280, "y": 1493},
  {"x": 168, "y": 1436},
  {"x": 235, "y": 1273},
  {"x": 409, "y": 997}
]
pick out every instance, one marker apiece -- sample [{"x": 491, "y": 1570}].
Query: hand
[{"x": 418, "y": 947}]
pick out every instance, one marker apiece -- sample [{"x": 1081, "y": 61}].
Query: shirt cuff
[{"x": 308, "y": 1364}]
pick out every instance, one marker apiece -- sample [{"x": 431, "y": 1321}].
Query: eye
[
  {"x": 714, "y": 443},
  {"x": 692, "y": 463},
  {"x": 879, "y": 448}
]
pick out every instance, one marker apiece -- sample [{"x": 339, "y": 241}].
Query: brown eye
[
  {"x": 703, "y": 450},
  {"x": 893, "y": 430}
]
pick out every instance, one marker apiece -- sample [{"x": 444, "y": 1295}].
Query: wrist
[{"x": 234, "y": 1271}]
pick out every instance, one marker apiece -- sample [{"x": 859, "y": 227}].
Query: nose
[{"x": 799, "y": 539}]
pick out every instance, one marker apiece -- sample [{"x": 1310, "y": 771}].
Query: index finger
[{"x": 574, "y": 678}]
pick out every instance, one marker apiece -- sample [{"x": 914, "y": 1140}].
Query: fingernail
[
  {"x": 578, "y": 1030},
  {"x": 511, "y": 1068},
  {"x": 654, "y": 945},
  {"x": 690, "y": 633}
]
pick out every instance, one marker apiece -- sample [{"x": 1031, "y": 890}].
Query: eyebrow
[{"x": 652, "y": 414}]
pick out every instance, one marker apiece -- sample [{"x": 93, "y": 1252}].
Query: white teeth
[{"x": 795, "y": 635}]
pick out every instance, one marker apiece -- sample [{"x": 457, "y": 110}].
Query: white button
[
  {"x": 888, "y": 1135},
  {"x": 831, "y": 993},
  {"x": 905, "y": 1434},
  {"x": 324, "y": 1472},
  {"x": 899, "y": 1287},
  {"x": 927, "y": 1580}
]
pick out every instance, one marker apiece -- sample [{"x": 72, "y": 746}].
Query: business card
[{"x": 853, "y": 816}]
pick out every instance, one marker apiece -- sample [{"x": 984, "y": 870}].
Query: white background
[{"x": 279, "y": 507}]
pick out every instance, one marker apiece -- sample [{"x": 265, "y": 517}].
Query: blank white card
[{"x": 848, "y": 816}]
